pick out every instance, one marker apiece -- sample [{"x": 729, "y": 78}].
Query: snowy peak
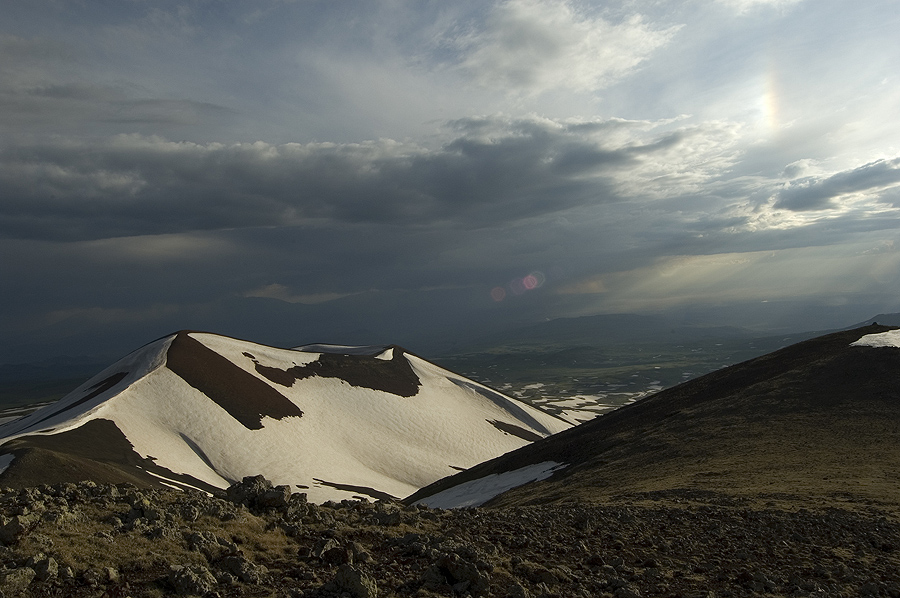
[
  {"x": 203, "y": 410},
  {"x": 245, "y": 397}
]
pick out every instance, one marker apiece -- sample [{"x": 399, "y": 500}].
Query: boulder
[
  {"x": 191, "y": 580},
  {"x": 353, "y": 581}
]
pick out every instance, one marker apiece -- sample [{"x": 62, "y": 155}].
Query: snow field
[{"x": 347, "y": 435}]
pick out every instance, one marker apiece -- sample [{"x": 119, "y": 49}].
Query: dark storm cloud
[
  {"x": 818, "y": 193},
  {"x": 70, "y": 103},
  {"x": 492, "y": 171}
]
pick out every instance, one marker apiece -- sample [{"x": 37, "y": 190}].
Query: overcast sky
[{"x": 295, "y": 169}]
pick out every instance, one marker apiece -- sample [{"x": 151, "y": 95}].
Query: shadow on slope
[{"x": 96, "y": 451}]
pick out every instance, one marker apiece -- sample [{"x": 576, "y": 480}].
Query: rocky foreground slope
[{"x": 100, "y": 540}]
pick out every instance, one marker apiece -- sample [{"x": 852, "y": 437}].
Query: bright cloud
[
  {"x": 817, "y": 193},
  {"x": 775, "y": 275},
  {"x": 533, "y": 46},
  {"x": 743, "y": 6},
  {"x": 365, "y": 165}
]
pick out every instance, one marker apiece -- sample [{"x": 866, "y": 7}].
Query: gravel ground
[{"x": 116, "y": 541}]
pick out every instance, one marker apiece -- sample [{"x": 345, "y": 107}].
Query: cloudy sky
[{"x": 384, "y": 171}]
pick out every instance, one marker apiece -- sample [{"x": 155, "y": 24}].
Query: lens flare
[
  {"x": 519, "y": 286},
  {"x": 534, "y": 280}
]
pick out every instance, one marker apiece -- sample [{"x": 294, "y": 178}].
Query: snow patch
[
  {"x": 246, "y": 355},
  {"x": 891, "y": 338},
  {"x": 477, "y": 492}
]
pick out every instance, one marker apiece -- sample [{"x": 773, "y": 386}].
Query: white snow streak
[
  {"x": 477, "y": 492},
  {"x": 891, "y": 338}
]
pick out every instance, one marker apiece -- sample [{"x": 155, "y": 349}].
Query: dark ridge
[
  {"x": 813, "y": 413},
  {"x": 245, "y": 397},
  {"x": 376, "y": 494},
  {"x": 370, "y": 350},
  {"x": 514, "y": 430},
  {"x": 96, "y": 451},
  {"x": 395, "y": 376},
  {"x": 285, "y": 378},
  {"x": 98, "y": 389}
]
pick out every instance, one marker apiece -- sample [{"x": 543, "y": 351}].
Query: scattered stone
[
  {"x": 11, "y": 530},
  {"x": 46, "y": 569},
  {"x": 462, "y": 574},
  {"x": 696, "y": 548},
  {"x": 94, "y": 576},
  {"x": 275, "y": 498},
  {"x": 210, "y": 545},
  {"x": 257, "y": 494},
  {"x": 243, "y": 569},
  {"x": 16, "y": 581},
  {"x": 192, "y": 580}
]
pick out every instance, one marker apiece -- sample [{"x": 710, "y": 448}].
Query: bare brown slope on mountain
[
  {"x": 817, "y": 419},
  {"x": 96, "y": 451}
]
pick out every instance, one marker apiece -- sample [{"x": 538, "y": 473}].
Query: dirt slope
[{"x": 817, "y": 419}]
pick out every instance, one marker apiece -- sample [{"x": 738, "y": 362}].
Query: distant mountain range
[{"x": 201, "y": 410}]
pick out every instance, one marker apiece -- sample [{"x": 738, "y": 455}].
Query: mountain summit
[
  {"x": 819, "y": 419},
  {"x": 200, "y": 410}
]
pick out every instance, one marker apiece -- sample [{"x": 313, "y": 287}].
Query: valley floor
[{"x": 92, "y": 540}]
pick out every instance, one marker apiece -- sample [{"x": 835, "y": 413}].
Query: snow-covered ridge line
[
  {"x": 204, "y": 410},
  {"x": 69, "y": 411}
]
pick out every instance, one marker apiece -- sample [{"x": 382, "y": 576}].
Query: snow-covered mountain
[{"x": 201, "y": 410}]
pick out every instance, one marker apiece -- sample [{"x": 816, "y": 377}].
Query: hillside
[
  {"x": 816, "y": 420},
  {"x": 198, "y": 410},
  {"x": 774, "y": 477}
]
